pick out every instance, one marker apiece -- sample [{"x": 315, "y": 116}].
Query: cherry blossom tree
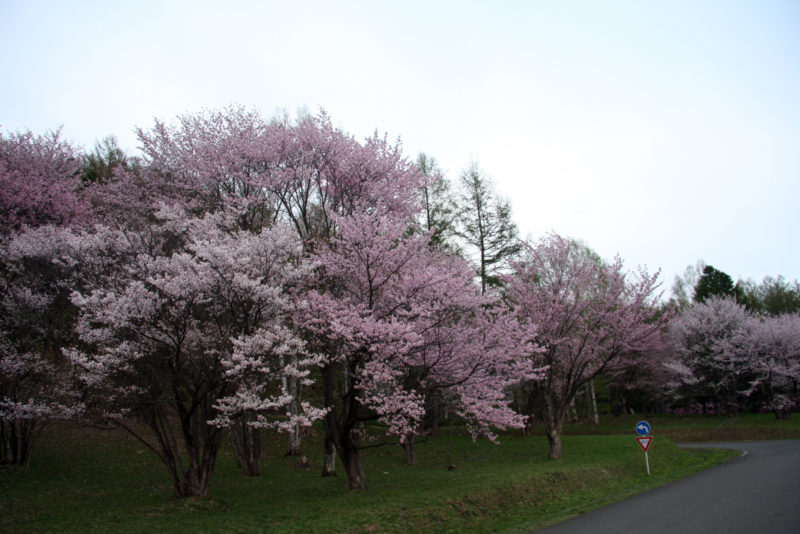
[
  {"x": 470, "y": 355},
  {"x": 587, "y": 313},
  {"x": 636, "y": 379},
  {"x": 710, "y": 342},
  {"x": 320, "y": 173},
  {"x": 200, "y": 161},
  {"x": 303, "y": 173},
  {"x": 773, "y": 345},
  {"x": 38, "y": 270},
  {"x": 39, "y": 181},
  {"x": 323, "y": 173},
  {"x": 40, "y": 186},
  {"x": 263, "y": 353},
  {"x": 167, "y": 337},
  {"x": 391, "y": 316},
  {"x": 726, "y": 358}
]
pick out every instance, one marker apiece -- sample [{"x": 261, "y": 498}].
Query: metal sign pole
[{"x": 643, "y": 429}]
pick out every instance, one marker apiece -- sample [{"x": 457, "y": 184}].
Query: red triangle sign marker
[{"x": 645, "y": 442}]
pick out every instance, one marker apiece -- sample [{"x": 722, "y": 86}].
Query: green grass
[
  {"x": 698, "y": 428},
  {"x": 103, "y": 481}
]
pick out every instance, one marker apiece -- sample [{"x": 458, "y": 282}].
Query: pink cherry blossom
[{"x": 587, "y": 313}]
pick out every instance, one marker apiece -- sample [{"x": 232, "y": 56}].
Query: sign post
[
  {"x": 643, "y": 428},
  {"x": 644, "y": 442}
]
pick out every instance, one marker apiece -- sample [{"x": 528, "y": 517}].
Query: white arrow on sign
[{"x": 645, "y": 442}]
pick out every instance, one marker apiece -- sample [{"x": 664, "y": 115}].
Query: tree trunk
[
  {"x": 196, "y": 481},
  {"x": 527, "y": 428},
  {"x": 343, "y": 429},
  {"x": 193, "y": 482},
  {"x": 593, "y": 403},
  {"x": 331, "y": 421},
  {"x": 351, "y": 458},
  {"x": 329, "y": 464},
  {"x": 434, "y": 430},
  {"x": 202, "y": 452},
  {"x": 191, "y": 465},
  {"x": 16, "y": 439},
  {"x": 431, "y": 420},
  {"x": 554, "y": 440},
  {"x": 294, "y": 439},
  {"x": 573, "y": 411},
  {"x": 407, "y": 441},
  {"x": 554, "y": 425},
  {"x": 246, "y": 442},
  {"x": 292, "y": 385}
]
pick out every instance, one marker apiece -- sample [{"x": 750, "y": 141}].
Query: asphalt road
[{"x": 758, "y": 493}]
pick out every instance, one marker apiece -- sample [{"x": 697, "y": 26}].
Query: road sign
[
  {"x": 644, "y": 442},
  {"x": 642, "y": 428}
]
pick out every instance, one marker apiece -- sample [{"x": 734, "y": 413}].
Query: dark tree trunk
[
  {"x": 343, "y": 428},
  {"x": 408, "y": 445},
  {"x": 527, "y": 430},
  {"x": 294, "y": 442},
  {"x": 16, "y": 440},
  {"x": 190, "y": 462},
  {"x": 351, "y": 458},
  {"x": 329, "y": 464},
  {"x": 293, "y": 385},
  {"x": 554, "y": 441},
  {"x": 553, "y": 418},
  {"x": 592, "y": 402},
  {"x": 434, "y": 428},
  {"x": 348, "y": 447},
  {"x": 783, "y": 414},
  {"x": 246, "y": 443}
]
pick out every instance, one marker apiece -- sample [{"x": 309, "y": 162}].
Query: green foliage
[
  {"x": 439, "y": 207},
  {"x": 485, "y": 225},
  {"x": 776, "y": 296},
  {"x": 99, "y": 166},
  {"x": 747, "y": 295},
  {"x": 87, "y": 480},
  {"x": 773, "y": 296},
  {"x": 713, "y": 282}
]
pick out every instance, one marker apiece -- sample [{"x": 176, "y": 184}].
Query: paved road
[{"x": 757, "y": 493}]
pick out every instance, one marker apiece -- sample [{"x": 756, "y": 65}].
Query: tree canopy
[{"x": 713, "y": 282}]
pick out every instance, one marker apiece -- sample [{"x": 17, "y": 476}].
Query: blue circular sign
[{"x": 642, "y": 428}]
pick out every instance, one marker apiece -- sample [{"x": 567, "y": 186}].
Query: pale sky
[{"x": 666, "y": 132}]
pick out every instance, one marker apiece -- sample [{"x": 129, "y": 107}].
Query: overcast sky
[{"x": 666, "y": 132}]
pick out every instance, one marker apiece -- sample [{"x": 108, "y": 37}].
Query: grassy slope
[
  {"x": 699, "y": 428},
  {"x": 95, "y": 481}
]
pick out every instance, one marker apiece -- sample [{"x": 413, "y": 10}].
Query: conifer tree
[{"x": 484, "y": 224}]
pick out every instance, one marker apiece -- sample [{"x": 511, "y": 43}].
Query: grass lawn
[
  {"x": 85, "y": 480},
  {"x": 699, "y": 428}
]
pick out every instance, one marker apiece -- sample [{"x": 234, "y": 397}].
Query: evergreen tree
[
  {"x": 713, "y": 282},
  {"x": 99, "y": 165},
  {"x": 484, "y": 224},
  {"x": 778, "y": 296},
  {"x": 439, "y": 207}
]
